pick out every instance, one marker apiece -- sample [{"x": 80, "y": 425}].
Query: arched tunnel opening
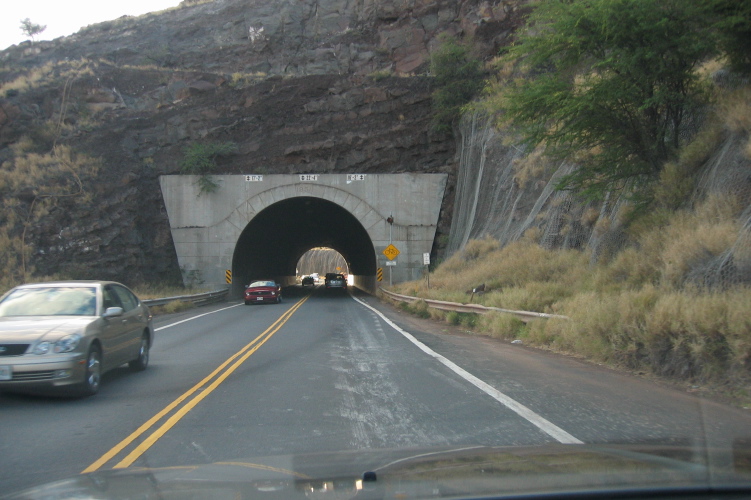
[
  {"x": 320, "y": 261},
  {"x": 272, "y": 243}
]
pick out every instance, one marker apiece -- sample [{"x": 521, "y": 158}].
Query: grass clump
[
  {"x": 379, "y": 75},
  {"x": 200, "y": 159},
  {"x": 466, "y": 320},
  {"x": 172, "y": 307},
  {"x": 502, "y": 326},
  {"x": 419, "y": 308},
  {"x": 242, "y": 80}
]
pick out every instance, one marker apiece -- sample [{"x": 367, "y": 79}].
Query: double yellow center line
[{"x": 184, "y": 403}]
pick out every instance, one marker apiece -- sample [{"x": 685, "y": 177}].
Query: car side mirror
[{"x": 112, "y": 312}]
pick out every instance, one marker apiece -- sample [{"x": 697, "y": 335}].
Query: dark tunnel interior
[{"x": 273, "y": 242}]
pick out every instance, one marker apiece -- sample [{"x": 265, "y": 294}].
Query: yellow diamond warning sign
[{"x": 391, "y": 252}]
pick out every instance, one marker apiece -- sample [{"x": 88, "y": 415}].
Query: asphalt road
[{"x": 332, "y": 372}]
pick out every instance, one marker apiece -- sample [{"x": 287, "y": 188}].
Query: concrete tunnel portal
[
  {"x": 274, "y": 240},
  {"x": 259, "y": 226}
]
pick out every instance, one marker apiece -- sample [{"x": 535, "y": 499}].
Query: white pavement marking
[
  {"x": 544, "y": 425},
  {"x": 194, "y": 317}
]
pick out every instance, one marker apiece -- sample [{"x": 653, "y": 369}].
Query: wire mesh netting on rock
[{"x": 503, "y": 192}]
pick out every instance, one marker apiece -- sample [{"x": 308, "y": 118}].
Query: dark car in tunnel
[
  {"x": 336, "y": 281},
  {"x": 262, "y": 291}
]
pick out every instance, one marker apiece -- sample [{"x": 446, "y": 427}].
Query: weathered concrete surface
[{"x": 206, "y": 228}]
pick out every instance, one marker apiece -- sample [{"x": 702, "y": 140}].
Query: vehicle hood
[
  {"x": 464, "y": 472},
  {"x": 18, "y": 329}
]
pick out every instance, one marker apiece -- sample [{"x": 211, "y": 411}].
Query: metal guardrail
[
  {"x": 199, "y": 298},
  {"x": 524, "y": 316}
]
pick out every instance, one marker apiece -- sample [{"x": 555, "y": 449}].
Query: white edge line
[
  {"x": 544, "y": 425},
  {"x": 194, "y": 317}
]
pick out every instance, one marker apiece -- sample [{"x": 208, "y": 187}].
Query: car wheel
[
  {"x": 142, "y": 361},
  {"x": 93, "y": 373},
  {"x": 247, "y": 303}
]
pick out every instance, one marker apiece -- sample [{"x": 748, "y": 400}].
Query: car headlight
[
  {"x": 43, "y": 348},
  {"x": 67, "y": 343}
]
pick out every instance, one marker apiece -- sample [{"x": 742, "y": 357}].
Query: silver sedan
[{"x": 65, "y": 335}]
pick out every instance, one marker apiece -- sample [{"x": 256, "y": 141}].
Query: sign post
[
  {"x": 391, "y": 252},
  {"x": 426, "y": 261}
]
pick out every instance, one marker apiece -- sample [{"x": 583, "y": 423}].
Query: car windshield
[
  {"x": 262, "y": 283},
  {"x": 50, "y": 301},
  {"x": 537, "y": 214}
]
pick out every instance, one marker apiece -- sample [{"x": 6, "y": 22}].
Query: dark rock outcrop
[{"x": 298, "y": 85}]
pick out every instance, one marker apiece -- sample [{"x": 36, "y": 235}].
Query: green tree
[
  {"x": 732, "y": 20},
  {"x": 458, "y": 77},
  {"x": 200, "y": 159},
  {"x": 31, "y": 29},
  {"x": 610, "y": 85}
]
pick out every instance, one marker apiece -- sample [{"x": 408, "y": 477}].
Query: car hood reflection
[
  {"x": 29, "y": 329},
  {"x": 464, "y": 472}
]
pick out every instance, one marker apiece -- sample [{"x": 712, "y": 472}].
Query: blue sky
[{"x": 65, "y": 17}]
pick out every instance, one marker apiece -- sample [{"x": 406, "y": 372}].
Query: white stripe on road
[
  {"x": 545, "y": 426},
  {"x": 194, "y": 317}
]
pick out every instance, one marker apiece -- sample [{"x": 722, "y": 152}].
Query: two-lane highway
[{"x": 329, "y": 372}]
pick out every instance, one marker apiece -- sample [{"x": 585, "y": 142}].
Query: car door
[
  {"x": 114, "y": 330},
  {"x": 133, "y": 319}
]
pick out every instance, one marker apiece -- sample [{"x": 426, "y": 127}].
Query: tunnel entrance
[
  {"x": 258, "y": 226},
  {"x": 321, "y": 261},
  {"x": 273, "y": 242}
]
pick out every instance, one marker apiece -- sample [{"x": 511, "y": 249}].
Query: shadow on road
[{"x": 293, "y": 291}]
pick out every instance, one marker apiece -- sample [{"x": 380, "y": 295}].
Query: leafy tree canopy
[
  {"x": 610, "y": 85},
  {"x": 733, "y": 28}
]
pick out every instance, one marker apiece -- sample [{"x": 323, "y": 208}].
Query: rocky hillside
[{"x": 298, "y": 85}]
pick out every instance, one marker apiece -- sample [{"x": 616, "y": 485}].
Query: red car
[{"x": 259, "y": 292}]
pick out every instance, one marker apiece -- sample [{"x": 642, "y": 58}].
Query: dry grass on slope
[{"x": 640, "y": 310}]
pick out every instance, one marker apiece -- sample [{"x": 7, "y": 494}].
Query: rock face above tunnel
[
  {"x": 299, "y": 86},
  {"x": 285, "y": 37}
]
